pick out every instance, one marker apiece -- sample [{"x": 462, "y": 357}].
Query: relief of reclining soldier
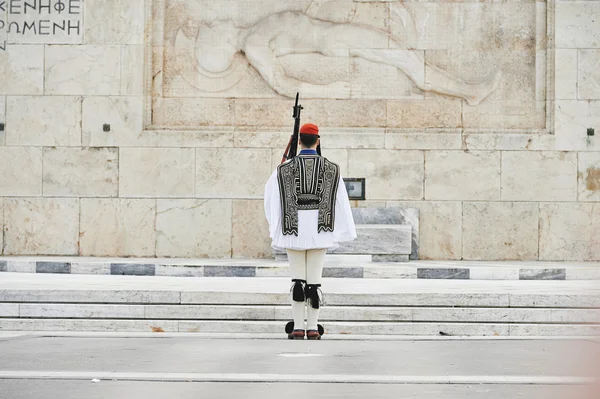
[{"x": 220, "y": 44}]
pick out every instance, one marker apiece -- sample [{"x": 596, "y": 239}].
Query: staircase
[{"x": 67, "y": 302}]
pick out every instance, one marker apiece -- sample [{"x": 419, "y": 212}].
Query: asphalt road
[{"x": 193, "y": 367}]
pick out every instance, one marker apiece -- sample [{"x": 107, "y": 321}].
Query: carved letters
[{"x": 40, "y": 21}]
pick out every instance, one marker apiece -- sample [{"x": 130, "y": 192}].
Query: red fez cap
[{"x": 309, "y": 128}]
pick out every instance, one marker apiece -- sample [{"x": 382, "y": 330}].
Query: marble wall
[{"x": 149, "y": 127}]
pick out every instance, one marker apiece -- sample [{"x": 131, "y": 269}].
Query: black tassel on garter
[
  {"x": 312, "y": 293},
  {"x": 298, "y": 290}
]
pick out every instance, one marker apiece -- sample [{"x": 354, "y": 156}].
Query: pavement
[{"x": 103, "y": 365}]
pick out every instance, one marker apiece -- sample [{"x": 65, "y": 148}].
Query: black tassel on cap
[
  {"x": 312, "y": 293},
  {"x": 298, "y": 290}
]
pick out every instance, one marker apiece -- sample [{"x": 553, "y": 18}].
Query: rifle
[{"x": 292, "y": 147}]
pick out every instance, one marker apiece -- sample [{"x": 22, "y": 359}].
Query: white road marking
[
  {"x": 291, "y": 378},
  {"x": 300, "y": 354}
]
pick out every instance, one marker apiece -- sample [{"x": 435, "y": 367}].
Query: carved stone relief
[{"x": 487, "y": 54}]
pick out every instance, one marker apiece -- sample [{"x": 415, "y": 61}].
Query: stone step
[
  {"x": 277, "y": 327},
  {"x": 269, "y": 312},
  {"x": 336, "y": 266},
  {"x": 55, "y": 288},
  {"x": 54, "y": 302}
]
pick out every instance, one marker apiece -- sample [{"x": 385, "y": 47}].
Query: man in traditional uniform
[{"x": 307, "y": 207}]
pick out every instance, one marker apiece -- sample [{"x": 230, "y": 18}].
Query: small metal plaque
[{"x": 355, "y": 188}]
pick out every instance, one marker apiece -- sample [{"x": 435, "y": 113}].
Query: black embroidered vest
[{"x": 305, "y": 183}]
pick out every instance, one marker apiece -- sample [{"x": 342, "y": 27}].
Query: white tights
[{"x": 306, "y": 265}]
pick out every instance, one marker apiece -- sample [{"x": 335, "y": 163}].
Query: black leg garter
[
  {"x": 297, "y": 290},
  {"x": 312, "y": 294}
]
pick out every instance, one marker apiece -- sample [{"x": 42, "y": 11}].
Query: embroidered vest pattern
[{"x": 308, "y": 183}]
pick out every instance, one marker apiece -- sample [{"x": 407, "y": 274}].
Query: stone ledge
[
  {"x": 343, "y": 267},
  {"x": 282, "y": 312},
  {"x": 274, "y": 327}
]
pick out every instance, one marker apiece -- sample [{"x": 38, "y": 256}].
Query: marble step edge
[
  {"x": 280, "y": 312},
  {"x": 273, "y": 327},
  {"x": 390, "y": 300},
  {"x": 281, "y": 269}
]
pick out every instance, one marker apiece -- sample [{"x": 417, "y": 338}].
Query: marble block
[
  {"x": 21, "y": 171},
  {"x": 156, "y": 172},
  {"x": 539, "y": 176},
  {"x": 53, "y": 267},
  {"x": 117, "y": 227},
  {"x": 385, "y": 215},
  {"x": 589, "y": 75},
  {"x": 263, "y": 112},
  {"x": 82, "y": 70},
  {"x": 381, "y": 239},
  {"x": 179, "y": 271},
  {"x": 132, "y": 67},
  {"x": 210, "y": 137},
  {"x": 261, "y": 137},
  {"x": 90, "y": 268},
  {"x": 123, "y": 114},
  {"x": 41, "y": 226},
  {"x": 576, "y": 24},
  {"x": 589, "y": 176},
  {"x": 394, "y": 216},
  {"x": 542, "y": 274},
  {"x": 343, "y": 272},
  {"x": 509, "y": 141},
  {"x": 9, "y": 310},
  {"x": 395, "y": 140},
  {"x": 460, "y": 175},
  {"x": 250, "y": 230},
  {"x": 389, "y": 174},
  {"x": 424, "y": 114},
  {"x": 232, "y": 172},
  {"x": 229, "y": 271},
  {"x": 81, "y": 311},
  {"x": 193, "y": 112},
  {"x": 81, "y": 172},
  {"x": 22, "y": 69},
  {"x": 443, "y": 273},
  {"x": 573, "y": 118},
  {"x": 391, "y": 258},
  {"x": 569, "y": 231},
  {"x": 193, "y": 228},
  {"x": 440, "y": 230},
  {"x": 114, "y": 22},
  {"x": 132, "y": 269},
  {"x": 500, "y": 231},
  {"x": 18, "y": 266},
  {"x": 353, "y": 138},
  {"x": 566, "y": 74},
  {"x": 43, "y": 121}
]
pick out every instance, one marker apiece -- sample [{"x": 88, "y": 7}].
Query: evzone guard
[{"x": 308, "y": 210}]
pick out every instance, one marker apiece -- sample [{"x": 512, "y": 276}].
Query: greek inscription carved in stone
[{"x": 43, "y": 21}]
